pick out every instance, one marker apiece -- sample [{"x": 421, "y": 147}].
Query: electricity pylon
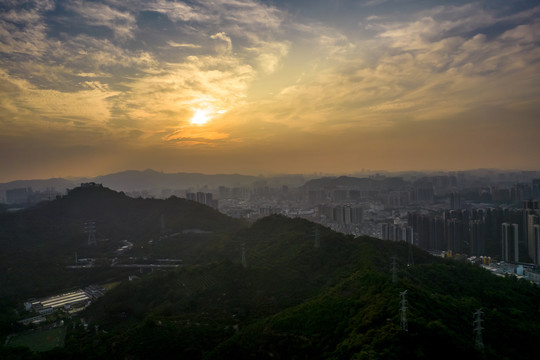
[
  {"x": 403, "y": 311},
  {"x": 477, "y": 323}
]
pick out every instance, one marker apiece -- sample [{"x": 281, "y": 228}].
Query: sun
[{"x": 200, "y": 117}]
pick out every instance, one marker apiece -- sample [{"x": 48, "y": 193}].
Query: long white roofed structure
[{"x": 64, "y": 300}]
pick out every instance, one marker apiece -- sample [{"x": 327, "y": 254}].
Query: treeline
[{"x": 287, "y": 288}]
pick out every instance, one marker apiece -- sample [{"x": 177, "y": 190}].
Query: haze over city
[{"x": 93, "y": 87}]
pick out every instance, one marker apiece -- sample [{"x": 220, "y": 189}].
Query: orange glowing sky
[{"x": 244, "y": 86}]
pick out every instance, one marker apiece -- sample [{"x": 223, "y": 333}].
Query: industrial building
[{"x": 74, "y": 299}]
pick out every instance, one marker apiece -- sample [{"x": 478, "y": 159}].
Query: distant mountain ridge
[
  {"x": 135, "y": 180},
  {"x": 59, "y": 184}
]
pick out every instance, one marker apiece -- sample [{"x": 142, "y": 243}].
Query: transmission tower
[
  {"x": 317, "y": 243},
  {"x": 403, "y": 311},
  {"x": 244, "y": 261},
  {"x": 394, "y": 270},
  {"x": 477, "y": 323},
  {"x": 90, "y": 228}
]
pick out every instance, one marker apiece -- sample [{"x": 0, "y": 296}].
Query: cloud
[
  {"x": 23, "y": 31},
  {"x": 102, "y": 55},
  {"x": 191, "y": 136},
  {"x": 140, "y": 89},
  {"x": 269, "y": 54},
  {"x": 224, "y": 43},
  {"x": 374, "y": 2},
  {"x": 523, "y": 34},
  {"x": 436, "y": 65},
  {"x": 134, "y": 73},
  {"x": 182, "y": 45},
  {"x": 25, "y": 105},
  {"x": 201, "y": 82},
  {"x": 121, "y": 23},
  {"x": 178, "y": 11}
]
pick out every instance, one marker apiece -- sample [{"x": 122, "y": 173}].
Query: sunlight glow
[{"x": 200, "y": 117}]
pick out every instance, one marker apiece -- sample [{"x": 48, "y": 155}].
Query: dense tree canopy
[{"x": 300, "y": 291}]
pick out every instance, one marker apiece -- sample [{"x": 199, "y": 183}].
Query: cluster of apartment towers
[
  {"x": 512, "y": 235},
  {"x": 203, "y": 198}
]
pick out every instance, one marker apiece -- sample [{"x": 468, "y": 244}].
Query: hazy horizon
[
  {"x": 253, "y": 87},
  {"x": 315, "y": 174}
]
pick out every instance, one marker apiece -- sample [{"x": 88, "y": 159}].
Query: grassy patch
[
  {"x": 111, "y": 285},
  {"x": 40, "y": 340}
]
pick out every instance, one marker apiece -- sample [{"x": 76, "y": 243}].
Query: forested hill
[
  {"x": 113, "y": 212},
  {"x": 302, "y": 291},
  {"x": 39, "y": 242}
]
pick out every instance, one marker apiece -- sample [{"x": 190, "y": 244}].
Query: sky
[{"x": 263, "y": 87}]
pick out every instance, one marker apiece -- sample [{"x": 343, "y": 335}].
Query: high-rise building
[
  {"x": 436, "y": 234},
  {"x": 510, "y": 242},
  {"x": 454, "y": 235},
  {"x": 18, "y": 196},
  {"x": 395, "y": 232},
  {"x": 476, "y": 238},
  {"x": 536, "y": 238},
  {"x": 420, "y": 225},
  {"x": 384, "y": 231},
  {"x": 407, "y": 234},
  {"x": 357, "y": 214},
  {"x": 455, "y": 201},
  {"x": 536, "y": 188},
  {"x": 201, "y": 197},
  {"x": 532, "y": 220}
]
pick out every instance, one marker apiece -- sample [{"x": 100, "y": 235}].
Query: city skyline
[{"x": 242, "y": 86}]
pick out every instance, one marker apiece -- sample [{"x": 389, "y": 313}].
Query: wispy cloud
[
  {"x": 438, "y": 64},
  {"x": 121, "y": 23},
  {"x": 23, "y": 30},
  {"x": 178, "y": 10},
  {"x": 182, "y": 45}
]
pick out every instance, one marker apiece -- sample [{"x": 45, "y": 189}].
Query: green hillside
[
  {"x": 39, "y": 242},
  {"x": 299, "y": 291}
]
